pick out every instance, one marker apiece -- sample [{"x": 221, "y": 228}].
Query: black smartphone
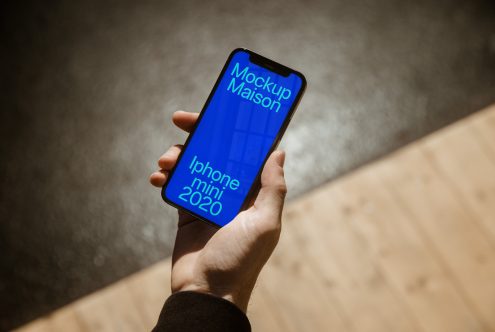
[{"x": 241, "y": 123}]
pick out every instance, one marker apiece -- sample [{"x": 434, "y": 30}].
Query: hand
[{"x": 226, "y": 262}]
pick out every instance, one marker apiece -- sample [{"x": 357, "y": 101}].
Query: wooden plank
[
  {"x": 110, "y": 309},
  {"x": 263, "y": 312},
  {"x": 483, "y": 124},
  {"x": 401, "y": 252},
  {"x": 149, "y": 290},
  {"x": 459, "y": 244},
  {"x": 346, "y": 265},
  {"x": 295, "y": 288},
  {"x": 39, "y": 325},
  {"x": 463, "y": 164},
  {"x": 314, "y": 253},
  {"x": 61, "y": 320}
]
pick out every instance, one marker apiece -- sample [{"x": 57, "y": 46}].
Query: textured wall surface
[{"x": 88, "y": 88}]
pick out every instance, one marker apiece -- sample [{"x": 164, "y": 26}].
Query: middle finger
[{"x": 168, "y": 159}]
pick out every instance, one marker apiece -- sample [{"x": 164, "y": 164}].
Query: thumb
[{"x": 273, "y": 189}]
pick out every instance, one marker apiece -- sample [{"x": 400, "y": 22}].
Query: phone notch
[{"x": 269, "y": 64}]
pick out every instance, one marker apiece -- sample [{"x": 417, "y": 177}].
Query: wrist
[{"x": 240, "y": 299}]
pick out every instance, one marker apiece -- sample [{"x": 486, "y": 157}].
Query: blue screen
[{"x": 237, "y": 130}]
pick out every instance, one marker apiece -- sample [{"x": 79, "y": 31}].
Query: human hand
[{"x": 225, "y": 262}]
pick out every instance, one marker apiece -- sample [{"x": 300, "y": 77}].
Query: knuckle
[{"x": 281, "y": 189}]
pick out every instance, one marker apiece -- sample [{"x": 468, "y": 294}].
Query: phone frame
[{"x": 269, "y": 65}]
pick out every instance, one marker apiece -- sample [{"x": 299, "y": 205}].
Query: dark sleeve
[{"x": 192, "y": 311}]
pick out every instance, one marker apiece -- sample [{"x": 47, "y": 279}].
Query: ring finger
[{"x": 168, "y": 159}]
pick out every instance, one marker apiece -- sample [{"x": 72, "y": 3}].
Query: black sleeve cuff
[{"x": 192, "y": 311}]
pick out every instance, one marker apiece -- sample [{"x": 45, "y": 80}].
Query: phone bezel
[{"x": 272, "y": 66}]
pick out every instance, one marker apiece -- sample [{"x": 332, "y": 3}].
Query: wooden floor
[{"x": 406, "y": 243}]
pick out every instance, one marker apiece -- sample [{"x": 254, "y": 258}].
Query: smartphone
[{"x": 241, "y": 123}]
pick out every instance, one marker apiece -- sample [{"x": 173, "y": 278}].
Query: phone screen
[{"x": 239, "y": 126}]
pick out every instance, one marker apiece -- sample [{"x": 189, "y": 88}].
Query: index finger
[{"x": 185, "y": 120}]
